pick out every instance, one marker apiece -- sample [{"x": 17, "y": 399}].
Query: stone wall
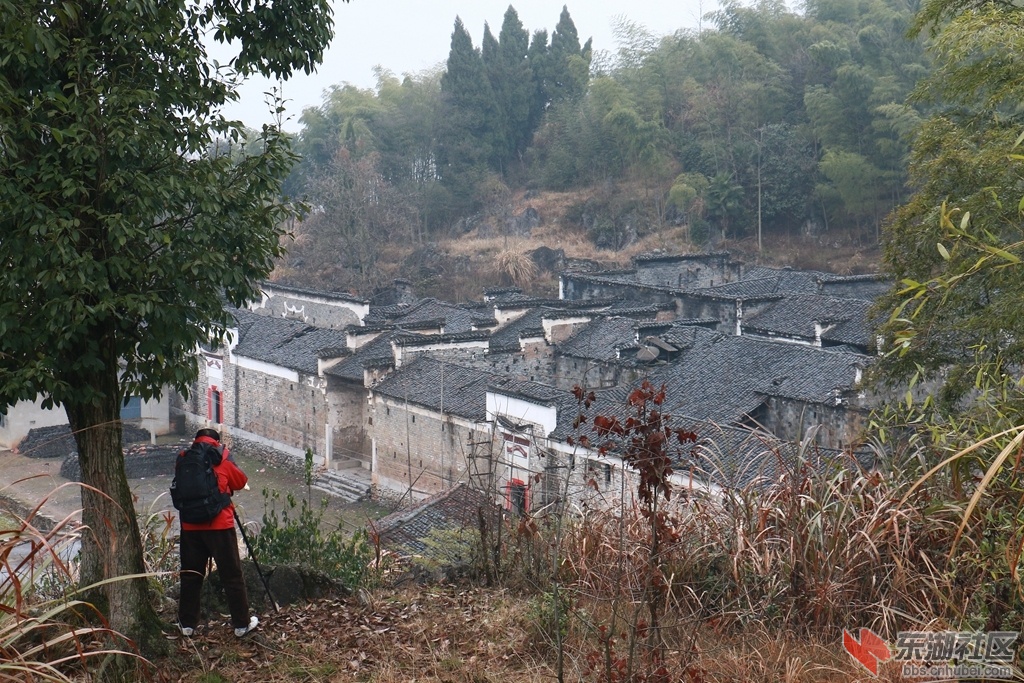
[
  {"x": 789, "y": 419},
  {"x": 591, "y": 374},
  {"x": 293, "y": 413},
  {"x": 687, "y": 272},
  {"x": 584, "y": 289},
  {"x": 415, "y": 445},
  {"x": 856, "y": 288}
]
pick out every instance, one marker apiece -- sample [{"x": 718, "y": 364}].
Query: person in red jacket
[{"x": 216, "y": 539}]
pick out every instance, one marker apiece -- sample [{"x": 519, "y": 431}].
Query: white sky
[{"x": 409, "y": 36}]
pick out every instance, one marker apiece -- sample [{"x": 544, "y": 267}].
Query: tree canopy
[
  {"x": 130, "y": 215},
  {"x": 956, "y": 246},
  {"x": 805, "y": 113}
]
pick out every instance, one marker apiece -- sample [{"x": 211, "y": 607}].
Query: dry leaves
[{"x": 440, "y": 633}]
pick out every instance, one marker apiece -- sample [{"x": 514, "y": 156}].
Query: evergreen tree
[
  {"x": 512, "y": 81},
  {"x": 468, "y": 119},
  {"x": 498, "y": 134},
  {"x": 539, "y": 59},
  {"x": 570, "y": 63}
]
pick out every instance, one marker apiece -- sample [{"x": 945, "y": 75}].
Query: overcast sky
[{"x": 408, "y": 36}]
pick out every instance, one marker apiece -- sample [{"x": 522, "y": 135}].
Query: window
[
  {"x": 600, "y": 472},
  {"x": 132, "y": 408},
  {"x": 517, "y": 498},
  {"x": 214, "y": 405}
]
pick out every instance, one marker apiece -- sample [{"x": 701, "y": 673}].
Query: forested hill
[{"x": 767, "y": 122}]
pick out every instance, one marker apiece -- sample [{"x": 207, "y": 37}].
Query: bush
[{"x": 289, "y": 538}]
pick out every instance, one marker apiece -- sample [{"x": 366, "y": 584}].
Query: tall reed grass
[{"x": 47, "y": 633}]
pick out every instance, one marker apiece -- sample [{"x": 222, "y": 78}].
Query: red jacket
[{"x": 229, "y": 480}]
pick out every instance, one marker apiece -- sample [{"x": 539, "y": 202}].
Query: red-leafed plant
[{"x": 647, "y": 443}]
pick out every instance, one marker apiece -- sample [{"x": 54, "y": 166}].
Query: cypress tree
[
  {"x": 570, "y": 62},
  {"x": 540, "y": 76},
  {"x": 512, "y": 82},
  {"x": 468, "y": 112}
]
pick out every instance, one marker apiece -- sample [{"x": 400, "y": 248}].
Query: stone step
[
  {"x": 345, "y": 464},
  {"x": 350, "y": 484}
]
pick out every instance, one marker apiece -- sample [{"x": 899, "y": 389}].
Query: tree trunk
[{"x": 111, "y": 541}]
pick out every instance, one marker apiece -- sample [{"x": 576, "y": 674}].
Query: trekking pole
[{"x": 252, "y": 555}]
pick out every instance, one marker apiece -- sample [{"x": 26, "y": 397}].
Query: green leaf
[{"x": 943, "y": 252}]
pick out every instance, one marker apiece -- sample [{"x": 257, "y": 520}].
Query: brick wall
[
  {"x": 347, "y": 411},
  {"x": 416, "y": 445},
  {"x": 293, "y": 413}
]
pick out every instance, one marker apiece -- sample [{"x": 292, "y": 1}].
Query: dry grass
[
  {"x": 45, "y": 631},
  {"x": 449, "y": 634},
  {"x": 472, "y": 262}
]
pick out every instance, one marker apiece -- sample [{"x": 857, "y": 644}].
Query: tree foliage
[
  {"x": 121, "y": 235},
  {"x": 955, "y": 247},
  {"x": 805, "y": 112}
]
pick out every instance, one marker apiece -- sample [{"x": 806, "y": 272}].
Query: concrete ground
[{"x": 27, "y": 483}]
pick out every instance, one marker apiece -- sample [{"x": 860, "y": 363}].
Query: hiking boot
[{"x": 253, "y": 623}]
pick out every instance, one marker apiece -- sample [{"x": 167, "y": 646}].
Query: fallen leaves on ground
[{"x": 436, "y": 633}]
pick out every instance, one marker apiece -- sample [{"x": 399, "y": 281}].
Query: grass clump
[{"x": 46, "y": 632}]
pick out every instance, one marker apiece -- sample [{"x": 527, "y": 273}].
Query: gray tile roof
[
  {"x": 452, "y": 317},
  {"x": 790, "y": 281},
  {"x": 288, "y": 344},
  {"x": 723, "y": 379},
  {"x": 506, "y": 338},
  {"x": 760, "y": 288},
  {"x": 503, "y": 293},
  {"x": 869, "y": 286},
  {"x": 738, "y": 457},
  {"x": 410, "y": 339},
  {"x": 531, "y": 391},
  {"x": 560, "y": 304},
  {"x": 680, "y": 258},
  {"x": 429, "y": 312},
  {"x": 409, "y": 531},
  {"x": 846, "y": 320},
  {"x": 440, "y": 386},
  {"x": 731, "y": 457},
  {"x": 600, "y": 339},
  {"x": 373, "y": 354},
  {"x": 635, "y": 310}
]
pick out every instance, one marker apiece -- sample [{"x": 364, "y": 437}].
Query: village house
[
  {"x": 418, "y": 396},
  {"x": 152, "y": 415}
]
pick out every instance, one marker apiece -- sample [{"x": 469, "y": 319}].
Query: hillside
[
  {"x": 491, "y": 250},
  {"x": 464, "y": 634}
]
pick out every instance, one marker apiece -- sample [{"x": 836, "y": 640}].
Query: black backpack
[{"x": 194, "y": 490}]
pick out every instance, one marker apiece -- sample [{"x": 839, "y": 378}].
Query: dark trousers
[{"x": 196, "y": 549}]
